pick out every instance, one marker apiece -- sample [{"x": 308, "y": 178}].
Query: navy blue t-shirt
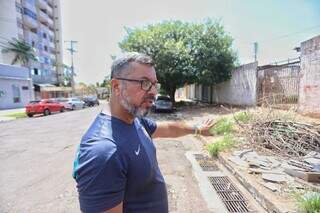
[{"x": 117, "y": 162}]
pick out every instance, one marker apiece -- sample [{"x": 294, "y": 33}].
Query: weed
[
  {"x": 309, "y": 202},
  {"x": 221, "y": 144},
  {"x": 222, "y": 126},
  {"x": 243, "y": 117}
]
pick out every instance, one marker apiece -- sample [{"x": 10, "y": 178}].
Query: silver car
[
  {"x": 163, "y": 103},
  {"x": 75, "y": 103}
]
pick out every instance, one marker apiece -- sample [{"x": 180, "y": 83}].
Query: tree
[
  {"x": 184, "y": 52},
  {"x": 22, "y": 50}
]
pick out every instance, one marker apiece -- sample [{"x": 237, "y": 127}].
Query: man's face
[{"x": 135, "y": 99}]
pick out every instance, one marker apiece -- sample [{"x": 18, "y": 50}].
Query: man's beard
[{"x": 135, "y": 111}]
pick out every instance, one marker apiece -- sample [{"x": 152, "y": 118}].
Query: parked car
[
  {"x": 75, "y": 103},
  {"x": 64, "y": 102},
  {"x": 163, "y": 103},
  {"x": 45, "y": 107},
  {"x": 91, "y": 101}
]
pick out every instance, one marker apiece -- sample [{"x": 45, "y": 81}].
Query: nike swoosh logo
[{"x": 137, "y": 151}]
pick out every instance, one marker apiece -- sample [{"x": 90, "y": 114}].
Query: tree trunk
[{"x": 171, "y": 94}]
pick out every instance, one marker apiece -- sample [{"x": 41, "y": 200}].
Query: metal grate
[
  {"x": 206, "y": 163},
  {"x": 229, "y": 194}
]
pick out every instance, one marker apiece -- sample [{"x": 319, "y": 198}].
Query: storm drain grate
[
  {"x": 229, "y": 194},
  {"x": 206, "y": 163}
]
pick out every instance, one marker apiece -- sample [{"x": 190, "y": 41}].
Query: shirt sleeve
[
  {"x": 149, "y": 125},
  {"x": 101, "y": 178}
]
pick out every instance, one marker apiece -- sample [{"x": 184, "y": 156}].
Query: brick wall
[{"x": 309, "y": 90}]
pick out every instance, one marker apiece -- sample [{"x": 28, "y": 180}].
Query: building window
[
  {"x": 46, "y": 48},
  {"x": 35, "y": 71},
  {"x": 25, "y": 88},
  {"x": 16, "y": 94},
  {"x": 44, "y": 35},
  {"x": 33, "y": 44}
]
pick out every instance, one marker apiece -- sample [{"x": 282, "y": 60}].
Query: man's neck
[{"x": 119, "y": 112}]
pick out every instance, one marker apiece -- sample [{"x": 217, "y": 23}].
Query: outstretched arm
[{"x": 178, "y": 129}]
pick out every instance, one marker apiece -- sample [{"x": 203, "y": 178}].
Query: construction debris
[{"x": 286, "y": 138}]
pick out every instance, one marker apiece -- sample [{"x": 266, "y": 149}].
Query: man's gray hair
[{"x": 123, "y": 64}]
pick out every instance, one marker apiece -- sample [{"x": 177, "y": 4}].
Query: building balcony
[
  {"x": 30, "y": 6},
  {"x": 49, "y": 10},
  {"x": 50, "y": 22},
  {"x": 43, "y": 17},
  {"x": 42, "y": 4},
  {"x": 51, "y": 33},
  {"x": 29, "y": 21}
]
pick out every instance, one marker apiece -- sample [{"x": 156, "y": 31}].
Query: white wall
[
  {"x": 8, "y": 27},
  {"x": 240, "y": 89},
  {"x": 14, "y": 75}
]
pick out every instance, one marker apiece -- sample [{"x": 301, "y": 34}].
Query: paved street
[{"x": 36, "y": 156}]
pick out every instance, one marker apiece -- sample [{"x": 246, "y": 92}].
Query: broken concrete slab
[
  {"x": 277, "y": 178},
  {"x": 238, "y": 161},
  {"x": 273, "y": 187}
]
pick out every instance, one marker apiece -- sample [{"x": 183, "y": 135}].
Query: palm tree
[{"x": 22, "y": 50}]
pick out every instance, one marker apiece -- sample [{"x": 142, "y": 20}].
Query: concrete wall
[
  {"x": 240, "y": 89},
  {"x": 14, "y": 76},
  {"x": 309, "y": 91},
  {"x": 8, "y": 27}
]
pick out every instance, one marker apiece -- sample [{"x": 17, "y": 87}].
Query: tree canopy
[{"x": 184, "y": 52}]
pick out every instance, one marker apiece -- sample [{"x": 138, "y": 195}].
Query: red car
[{"x": 45, "y": 107}]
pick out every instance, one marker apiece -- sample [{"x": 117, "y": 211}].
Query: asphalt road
[{"x": 36, "y": 157}]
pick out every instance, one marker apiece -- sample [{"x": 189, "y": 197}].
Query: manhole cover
[
  {"x": 206, "y": 163},
  {"x": 229, "y": 194}
]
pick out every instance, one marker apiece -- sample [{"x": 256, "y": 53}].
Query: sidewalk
[{"x": 9, "y": 111}]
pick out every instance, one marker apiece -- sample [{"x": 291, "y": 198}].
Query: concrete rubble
[{"x": 276, "y": 173}]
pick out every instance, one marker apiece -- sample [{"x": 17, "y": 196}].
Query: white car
[
  {"x": 76, "y": 103},
  {"x": 72, "y": 103}
]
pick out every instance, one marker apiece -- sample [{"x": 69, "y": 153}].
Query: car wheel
[
  {"x": 46, "y": 112},
  {"x": 73, "y": 107},
  {"x": 30, "y": 115},
  {"x": 62, "y": 109}
]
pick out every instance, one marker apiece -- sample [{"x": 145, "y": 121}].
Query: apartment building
[{"x": 38, "y": 22}]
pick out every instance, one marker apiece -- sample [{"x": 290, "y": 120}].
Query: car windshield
[
  {"x": 163, "y": 98},
  {"x": 34, "y": 102}
]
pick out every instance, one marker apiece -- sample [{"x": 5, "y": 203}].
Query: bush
[
  {"x": 309, "y": 202},
  {"x": 243, "y": 117},
  {"x": 222, "y": 126},
  {"x": 221, "y": 144}
]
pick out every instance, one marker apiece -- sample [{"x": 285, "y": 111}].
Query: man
[{"x": 116, "y": 168}]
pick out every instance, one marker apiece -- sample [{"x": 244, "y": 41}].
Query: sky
[{"x": 98, "y": 25}]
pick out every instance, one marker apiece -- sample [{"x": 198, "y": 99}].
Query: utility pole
[
  {"x": 255, "y": 46},
  {"x": 72, "y": 50}
]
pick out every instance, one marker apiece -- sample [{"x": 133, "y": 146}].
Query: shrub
[
  {"x": 309, "y": 202},
  {"x": 221, "y": 144},
  {"x": 222, "y": 126}
]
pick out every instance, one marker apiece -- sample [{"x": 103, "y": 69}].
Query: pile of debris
[
  {"x": 285, "y": 138},
  {"x": 277, "y": 174}
]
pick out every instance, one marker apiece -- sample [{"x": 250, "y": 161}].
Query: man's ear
[{"x": 115, "y": 86}]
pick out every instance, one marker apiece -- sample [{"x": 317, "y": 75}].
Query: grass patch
[
  {"x": 309, "y": 203},
  {"x": 16, "y": 115},
  {"x": 243, "y": 117},
  {"x": 222, "y": 126},
  {"x": 221, "y": 144}
]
